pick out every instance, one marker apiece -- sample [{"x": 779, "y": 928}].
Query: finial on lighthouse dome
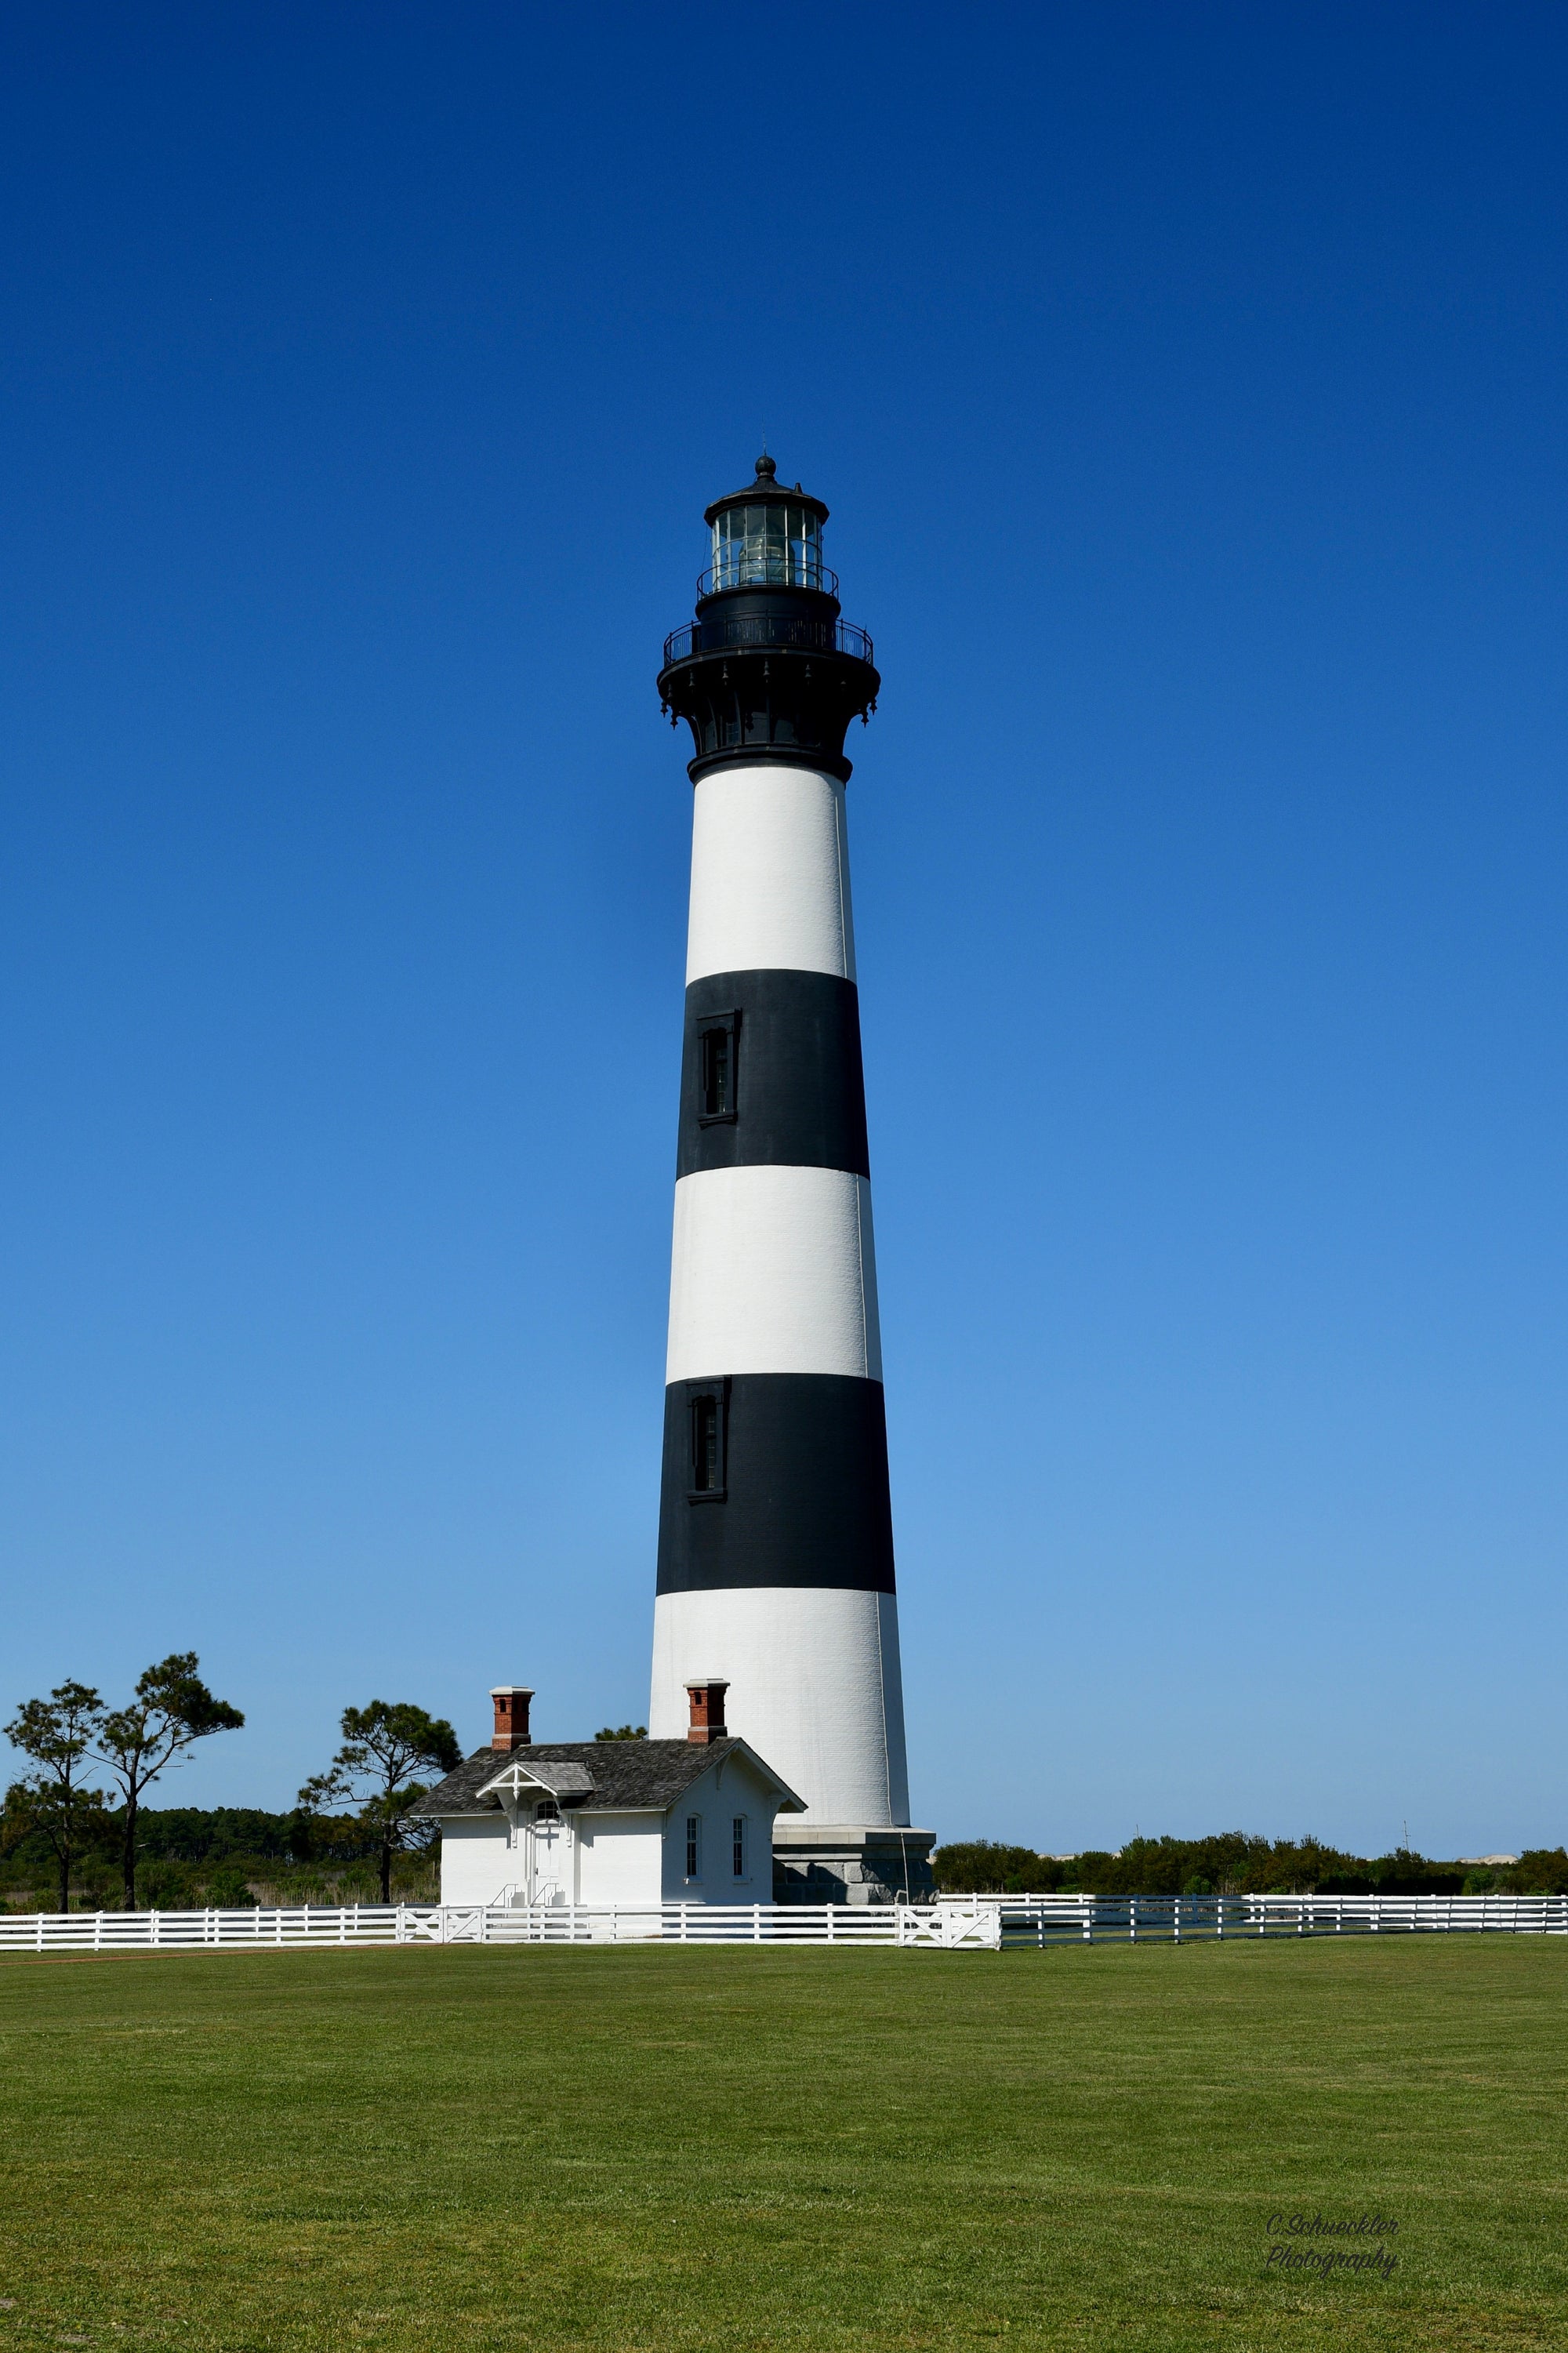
[{"x": 766, "y": 469}]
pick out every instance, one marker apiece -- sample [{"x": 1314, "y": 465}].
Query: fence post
[
  {"x": 1178, "y": 1919},
  {"x": 756, "y": 1922},
  {"x": 1132, "y": 1919}
]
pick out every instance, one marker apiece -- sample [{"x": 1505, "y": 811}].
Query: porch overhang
[{"x": 558, "y": 1778}]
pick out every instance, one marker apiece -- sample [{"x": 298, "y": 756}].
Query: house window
[
  {"x": 694, "y": 1846},
  {"x": 706, "y": 1464},
  {"x": 738, "y": 1841},
  {"x": 547, "y": 1811},
  {"x": 718, "y": 1044}
]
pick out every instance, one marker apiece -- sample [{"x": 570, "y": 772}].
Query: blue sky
[{"x": 1187, "y": 388}]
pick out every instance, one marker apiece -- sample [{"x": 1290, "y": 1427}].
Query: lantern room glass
[{"x": 778, "y": 545}]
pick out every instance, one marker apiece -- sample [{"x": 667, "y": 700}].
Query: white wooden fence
[
  {"x": 954, "y": 1923},
  {"x": 1057, "y": 1919}
]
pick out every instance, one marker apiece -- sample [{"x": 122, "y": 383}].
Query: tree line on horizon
[
  {"x": 73, "y": 1743},
  {"x": 1235, "y": 1863},
  {"x": 361, "y": 1807}
]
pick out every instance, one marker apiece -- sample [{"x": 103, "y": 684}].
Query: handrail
[
  {"x": 717, "y": 633},
  {"x": 753, "y": 568}
]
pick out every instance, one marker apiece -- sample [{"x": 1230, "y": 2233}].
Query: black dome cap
[{"x": 765, "y": 487}]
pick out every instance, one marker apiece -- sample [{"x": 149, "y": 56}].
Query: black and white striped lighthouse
[{"x": 775, "y": 1548}]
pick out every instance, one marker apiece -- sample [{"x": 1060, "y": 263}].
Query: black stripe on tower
[
  {"x": 770, "y": 1075},
  {"x": 776, "y": 1478}
]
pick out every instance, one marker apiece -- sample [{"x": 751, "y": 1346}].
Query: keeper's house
[{"x": 609, "y": 1822}]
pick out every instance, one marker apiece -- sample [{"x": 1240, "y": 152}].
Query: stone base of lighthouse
[{"x": 848, "y": 1863}]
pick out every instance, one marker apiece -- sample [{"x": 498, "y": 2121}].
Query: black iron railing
[
  {"x": 716, "y": 636},
  {"x": 766, "y": 567}
]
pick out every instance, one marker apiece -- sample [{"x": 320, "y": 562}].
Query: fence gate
[{"x": 951, "y": 1926}]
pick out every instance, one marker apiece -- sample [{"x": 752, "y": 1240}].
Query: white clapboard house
[{"x": 609, "y": 1822}]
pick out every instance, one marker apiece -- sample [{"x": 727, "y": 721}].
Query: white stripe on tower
[
  {"x": 773, "y": 1271},
  {"x": 836, "y": 1727},
  {"x": 769, "y": 874}
]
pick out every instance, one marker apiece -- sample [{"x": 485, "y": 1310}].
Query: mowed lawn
[{"x": 687, "y": 2148}]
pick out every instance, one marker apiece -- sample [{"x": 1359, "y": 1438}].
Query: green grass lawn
[{"x": 687, "y": 2148}]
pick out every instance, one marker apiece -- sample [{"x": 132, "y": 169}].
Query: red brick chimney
[
  {"x": 707, "y": 1711},
  {"x": 512, "y": 1715}
]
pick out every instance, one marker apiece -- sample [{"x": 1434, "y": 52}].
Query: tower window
[
  {"x": 707, "y": 1467},
  {"x": 738, "y": 1841},
  {"x": 705, "y": 1444},
  {"x": 718, "y": 1040},
  {"x": 694, "y": 1846},
  {"x": 715, "y": 1073}
]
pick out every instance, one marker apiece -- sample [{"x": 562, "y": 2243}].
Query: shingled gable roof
[{"x": 605, "y": 1775}]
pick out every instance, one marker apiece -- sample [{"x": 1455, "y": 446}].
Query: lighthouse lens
[{"x": 766, "y": 546}]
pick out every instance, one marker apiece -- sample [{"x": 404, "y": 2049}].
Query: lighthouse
[{"x": 775, "y": 1548}]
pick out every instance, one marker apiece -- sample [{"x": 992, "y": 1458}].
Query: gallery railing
[
  {"x": 767, "y": 566},
  {"x": 765, "y": 631}
]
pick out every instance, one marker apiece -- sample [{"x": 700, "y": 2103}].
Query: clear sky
[{"x": 1187, "y": 385}]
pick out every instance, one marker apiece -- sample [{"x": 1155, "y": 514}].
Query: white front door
[{"x": 549, "y": 1861}]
